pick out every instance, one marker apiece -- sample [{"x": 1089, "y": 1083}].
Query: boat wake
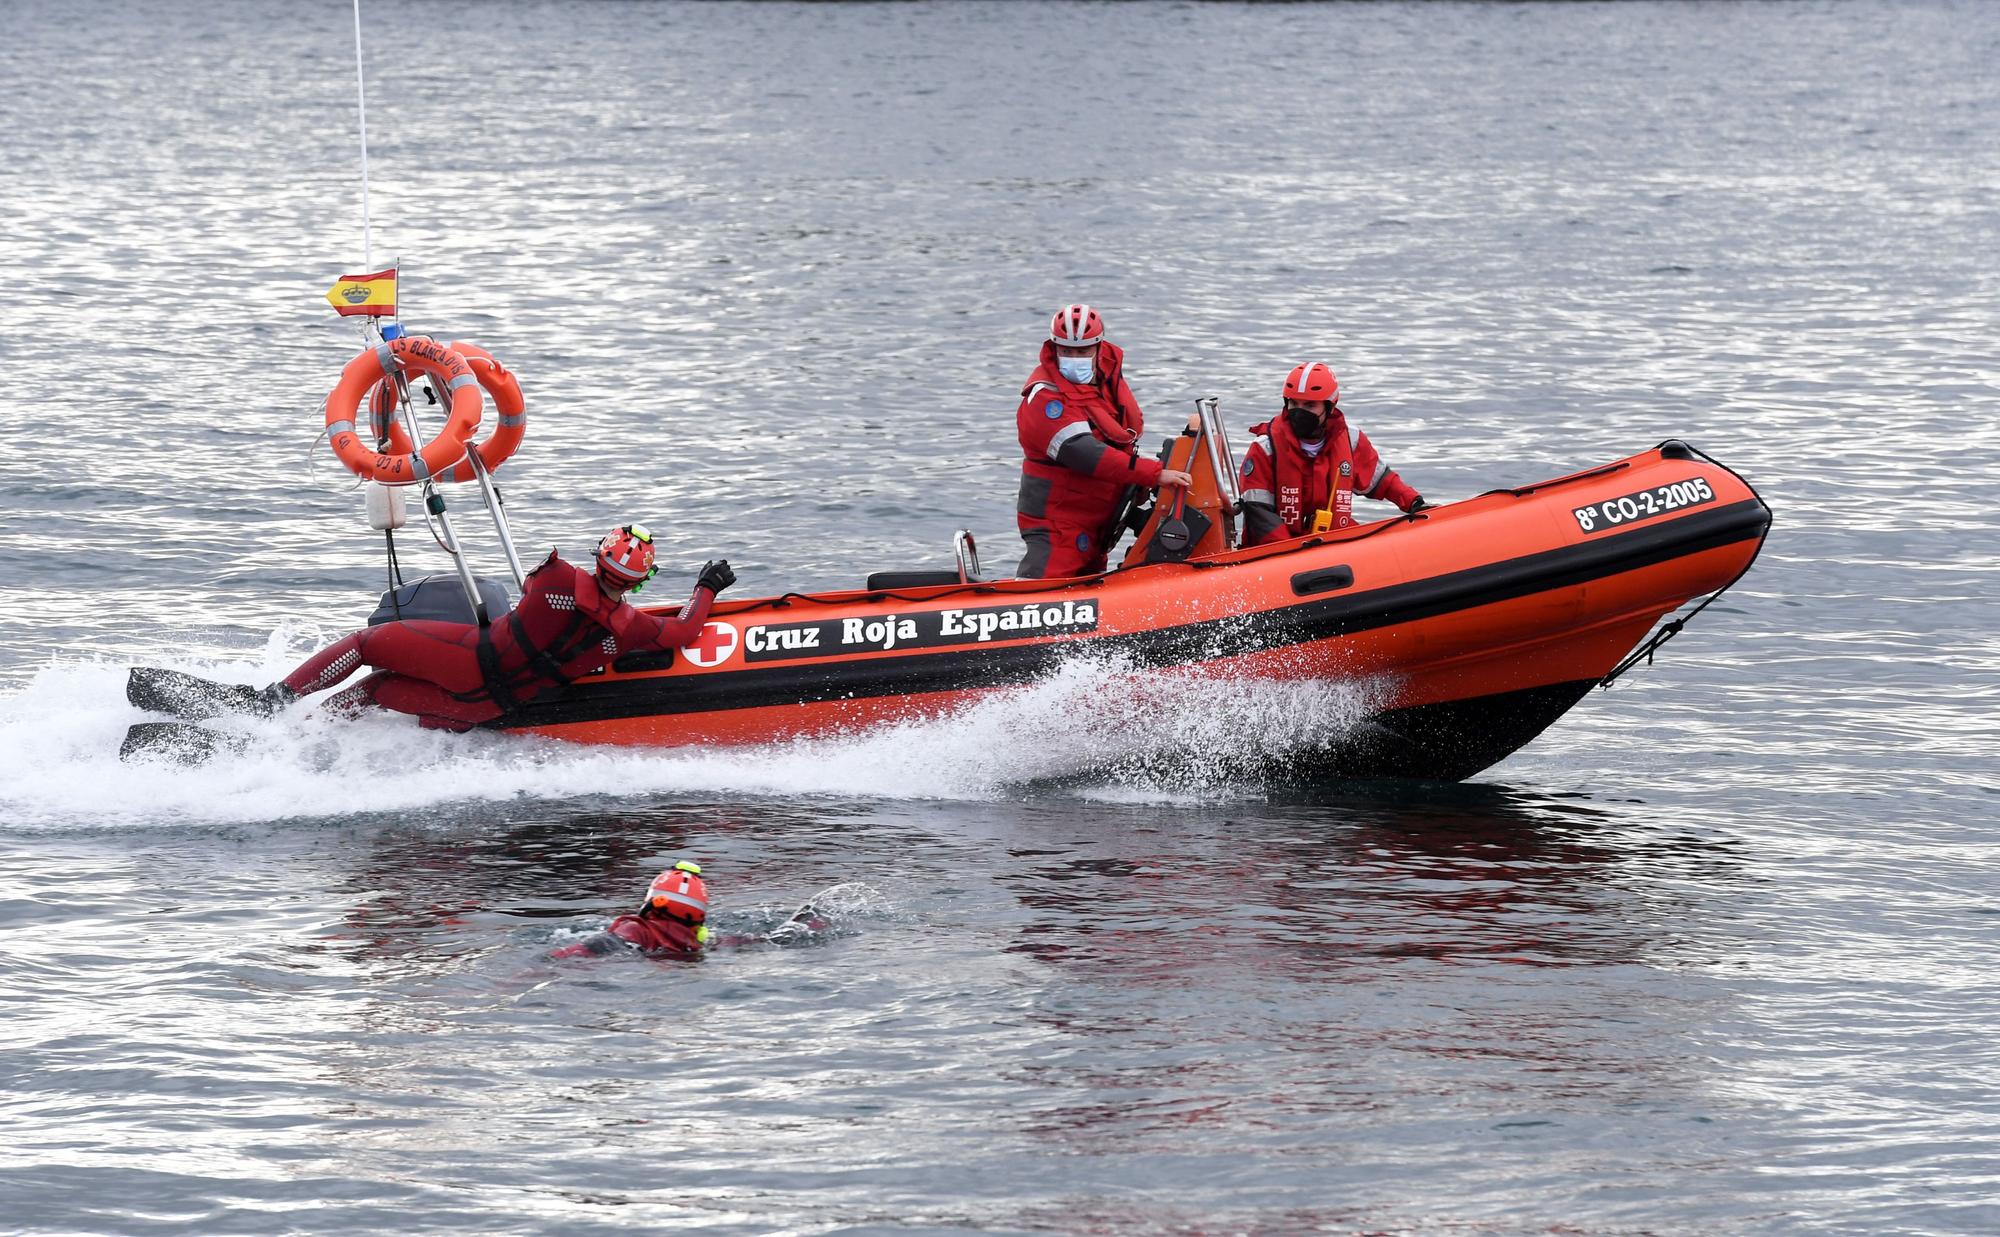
[{"x": 1095, "y": 728}]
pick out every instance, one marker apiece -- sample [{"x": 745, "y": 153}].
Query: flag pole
[
  {"x": 373, "y": 333},
  {"x": 361, "y": 99}
]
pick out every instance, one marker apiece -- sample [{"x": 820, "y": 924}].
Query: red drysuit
[
  {"x": 454, "y": 676},
  {"x": 1279, "y": 476},
  {"x": 1080, "y": 448},
  {"x": 657, "y": 935}
]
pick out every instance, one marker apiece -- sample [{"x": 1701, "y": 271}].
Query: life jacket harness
[
  {"x": 544, "y": 668},
  {"x": 1290, "y": 463}
]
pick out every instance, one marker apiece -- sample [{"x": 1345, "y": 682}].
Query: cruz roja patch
[{"x": 925, "y": 629}]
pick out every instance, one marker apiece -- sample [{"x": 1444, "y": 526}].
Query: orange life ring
[
  {"x": 452, "y": 374},
  {"x": 507, "y": 401},
  {"x": 498, "y": 382}
]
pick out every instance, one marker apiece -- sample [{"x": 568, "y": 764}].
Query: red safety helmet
[
  {"x": 1313, "y": 381},
  {"x": 678, "y": 893},
  {"x": 1076, "y": 326},
  {"x": 626, "y": 555}
]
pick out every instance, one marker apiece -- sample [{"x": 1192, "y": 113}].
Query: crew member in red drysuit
[
  {"x": 1080, "y": 430},
  {"x": 672, "y": 922},
  {"x": 454, "y": 676},
  {"x": 1304, "y": 468}
]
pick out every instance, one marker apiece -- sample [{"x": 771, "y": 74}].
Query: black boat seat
[
  {"x": 880, "y": 580},
  {"x": 442, "y": 598},
  {"x": 964, "y": 549}
]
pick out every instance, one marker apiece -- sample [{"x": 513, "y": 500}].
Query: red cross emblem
[{"x": 713, "y": 646}]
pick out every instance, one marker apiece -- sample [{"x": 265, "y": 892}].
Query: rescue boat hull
[{"x": 1475, "y": 627}]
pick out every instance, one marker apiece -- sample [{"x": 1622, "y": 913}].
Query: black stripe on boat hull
[
  {"x": 1446, "y": 742},
  {"x": 959, "y": 670}
]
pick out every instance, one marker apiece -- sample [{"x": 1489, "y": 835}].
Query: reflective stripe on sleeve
[
  {"x": 1063, "y": 435},
  {"x": 1265, "y": 497}
]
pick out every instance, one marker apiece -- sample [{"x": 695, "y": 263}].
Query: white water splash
[
  {"x": 835, "y": 911},
  {"x": 1099, "y": 729},
  {"x": 852, "y": 899}
]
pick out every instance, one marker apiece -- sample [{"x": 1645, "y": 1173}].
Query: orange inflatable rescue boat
[
  {"x": 1466, "y": 628},
  {"x": 1476, "y": 624}
]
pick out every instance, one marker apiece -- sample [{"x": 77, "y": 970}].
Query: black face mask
[{"x": 1307, "y": 426}]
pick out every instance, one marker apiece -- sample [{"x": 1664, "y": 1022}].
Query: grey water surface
[{"x": 1714, "y": 955}]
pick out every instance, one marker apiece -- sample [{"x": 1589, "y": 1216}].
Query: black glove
[
  {"x": 715, "y": 575},
  {"x": 1418, "y": 505}
]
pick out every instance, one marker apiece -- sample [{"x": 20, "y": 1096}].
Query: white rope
[{"x": 315, "y": 475}]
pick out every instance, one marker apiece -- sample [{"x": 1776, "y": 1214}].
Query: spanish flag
[{"x": 374, "y": 295}]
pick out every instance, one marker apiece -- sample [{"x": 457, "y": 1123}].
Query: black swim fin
[
  {"x": 178, "y": 742},
  {"x": 804, "y": 923},
  {"x": 195, "y": 699}
]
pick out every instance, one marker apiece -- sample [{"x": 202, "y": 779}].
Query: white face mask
[{"x": 1075, "y": 368}]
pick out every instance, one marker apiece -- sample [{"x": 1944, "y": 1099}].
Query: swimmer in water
[{"x": 672, "y": 920}]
